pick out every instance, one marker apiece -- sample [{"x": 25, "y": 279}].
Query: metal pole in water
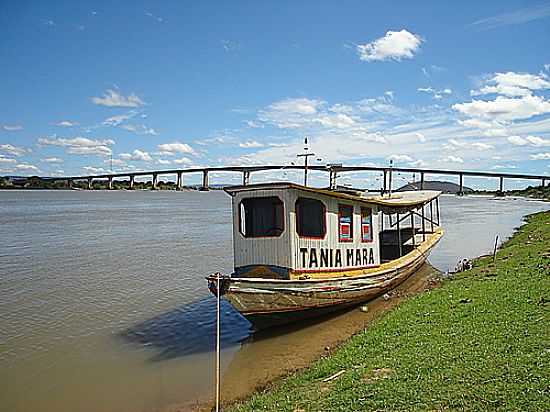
[{"x": 217, "y": 342}]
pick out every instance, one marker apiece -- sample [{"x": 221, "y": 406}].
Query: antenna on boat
[{"x": 305, "y": 155}]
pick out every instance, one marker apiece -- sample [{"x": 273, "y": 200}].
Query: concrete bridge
[{"x": 333, "y": 170}]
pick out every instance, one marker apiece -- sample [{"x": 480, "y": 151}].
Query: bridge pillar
[
  {"x": 110, "y": 183},
  {"x": 132, "y": 182},
  {"x": 155, "y": 181},
  {"x": 500, "y": 186},
  {"x": 179, "y": 181},
  {"x": 543, "y": 182},
  {"x": 246, "y": 178},
  {"x": 421, "y": 180},
  {"x": 70, "y": 183},
  {"x": 90, "y": 183},
  {"x": 204, "y": 180},
  {"x": 461, "y": 185}
]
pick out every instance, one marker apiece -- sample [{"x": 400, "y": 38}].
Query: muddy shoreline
[{"x": 282, "y": 351}]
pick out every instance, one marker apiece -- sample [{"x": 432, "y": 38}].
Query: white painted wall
[{"x": 285, "y": 250}]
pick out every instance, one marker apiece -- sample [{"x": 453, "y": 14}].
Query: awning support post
[
  {"x": 423, "y": 225},
  {"x": 431, "y": 216},
  {"x": 399, "y": 237},
  {"x": 437, "y": 211},
  {"x": 413, "y": 232}
]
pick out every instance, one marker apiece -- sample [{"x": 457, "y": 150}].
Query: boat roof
[{"x": 394, "y": 200}]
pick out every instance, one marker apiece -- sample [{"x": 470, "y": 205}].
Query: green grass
[{"x": 479, "y": 342}]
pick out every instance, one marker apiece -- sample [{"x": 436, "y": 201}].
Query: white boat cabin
[{"x": 288, "y": 231}]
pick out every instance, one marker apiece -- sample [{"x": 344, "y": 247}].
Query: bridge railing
[{"x": 333, "y": 170}]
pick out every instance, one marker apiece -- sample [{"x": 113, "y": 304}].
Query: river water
[{"x": 104, "y": 306}]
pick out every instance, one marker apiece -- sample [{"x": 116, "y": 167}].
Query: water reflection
[{"x": 189, "y": 329}]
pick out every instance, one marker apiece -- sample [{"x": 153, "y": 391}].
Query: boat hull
[{"x": 270, "y": 302}]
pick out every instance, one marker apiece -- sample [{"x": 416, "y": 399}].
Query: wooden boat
[{"x": 301, "y": 252}]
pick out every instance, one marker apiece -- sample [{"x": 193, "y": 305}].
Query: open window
[
  {"x": 262, "y": 217},
  {"x": 366, "y": 225},
  {"x": 345, "y": 223},
  {"x": 310, "y": 218}
]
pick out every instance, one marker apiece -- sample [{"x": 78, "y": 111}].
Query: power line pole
[{"x": 305, "y": 155}]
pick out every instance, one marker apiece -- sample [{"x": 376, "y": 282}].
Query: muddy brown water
[{"x": 104, "y": 306}]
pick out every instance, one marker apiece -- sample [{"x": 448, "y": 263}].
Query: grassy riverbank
[{"x": 481, "y": 341}]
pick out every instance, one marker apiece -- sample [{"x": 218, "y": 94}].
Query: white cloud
[
  {"x": 136, "y": 155},
  {"x": 139, "y": 129},
  {"x": 395, "y": 45},
  {"x": 115, "y": 162},
  {"x": 538, "y": 141},
  {"x": 230, "y": 45},
  {"x": 12, "y": 150},
  {"x": 452, "y": 159},
  {"x": 157, "y": 18},
  {"x": 339, "y": 120},
  {"x": 113, "y": 98},
  {"x": 12, "y": 127},
  {"x": 252, "y": 124},
  {"x": 496, "y": 167},
  {"x": 25, "y": 167},
  {"x": 541, "y": 156},
  {"x": 298, "y": 105},
  {"x": 341, "y": 108},
  {"x": 66, "y": 123},
  {"x": 478, "y": 146},
  {"x": 250, "y": 144},
  {"x": 418, "y": 163},
  {"x": 436, "y": 94},
  {"x": 513, "y": 84},
  {"x": 118, "y": 119},
  {"x": 490, "y": 128},
  {"x": 400, "y": 158},
  {"x": 517, "y": 140},
  {"x": 378, "y": 105},
  {"x": 505, "y": 108},
  {"x": 516, "y": 17},
  {"x": 481, "y": 146},
  {"x": 421, "y": 138},
  {"x": 52, "y": 160},
  {"x": 290, "y": 113},
  {"x": 163, "y": 162},
  {"x": 183, "y": 160},
  {"x": 80, "y": 145},
  {"x": 6, "y": 160},
  {"x": 529, "y": 140},
  {"x": 94, "y": 170},
  {"x": 174, "y": 148}
]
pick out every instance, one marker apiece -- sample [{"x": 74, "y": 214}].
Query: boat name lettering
[{"x": 327, "y": 258}]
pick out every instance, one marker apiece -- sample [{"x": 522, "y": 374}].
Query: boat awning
[{"x": 391, "y": 203}]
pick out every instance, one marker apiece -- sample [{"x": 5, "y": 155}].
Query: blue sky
[{"x": 174, "y": 84}]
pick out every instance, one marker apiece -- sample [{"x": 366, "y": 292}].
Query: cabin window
[
  {"x": 310, "y": 218},
  {"x": 345, "y": 223},
  {"x": 366, "y": 224},
  {"x": 262, "y": 217}
]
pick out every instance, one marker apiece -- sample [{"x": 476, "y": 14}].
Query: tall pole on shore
[{"x": 305, "y": 155}]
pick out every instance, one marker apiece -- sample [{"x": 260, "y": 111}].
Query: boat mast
[{"x": 305, "y": 155}]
